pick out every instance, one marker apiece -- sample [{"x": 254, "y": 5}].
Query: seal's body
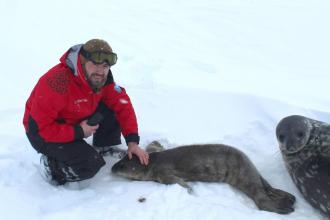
[
  {"x": 305, "y": 147},
  {"x": 208, "y": 163}
]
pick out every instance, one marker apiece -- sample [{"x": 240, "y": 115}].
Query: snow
[{"x": 196, "y": 71}]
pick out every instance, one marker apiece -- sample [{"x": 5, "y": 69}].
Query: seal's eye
[
  {"x": 281, "y": 138},
  {"x": 121, "y": 165},
  {"x": 300, "y": 134}
]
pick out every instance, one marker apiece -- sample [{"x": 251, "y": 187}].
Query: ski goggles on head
[{"x": 99, "y": 57}]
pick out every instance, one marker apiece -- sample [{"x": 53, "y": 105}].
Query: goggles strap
[{"x": 85, "y": 53}]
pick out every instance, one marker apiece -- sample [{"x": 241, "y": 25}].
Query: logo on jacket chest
[{"x": 78, "y": 102}]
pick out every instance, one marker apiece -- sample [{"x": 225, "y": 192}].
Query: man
[{"x": 57, "y": 110}]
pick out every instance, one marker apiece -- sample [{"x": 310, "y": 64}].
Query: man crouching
[{"x": 57, "y": 112}]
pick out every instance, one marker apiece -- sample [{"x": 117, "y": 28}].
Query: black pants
[{"x": 77, "y": 160}]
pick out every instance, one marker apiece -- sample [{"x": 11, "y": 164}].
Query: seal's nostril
[{"x": 300, "y": 134}]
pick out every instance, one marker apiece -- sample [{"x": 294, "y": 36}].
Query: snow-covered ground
[{"x": 197, "y": 72}]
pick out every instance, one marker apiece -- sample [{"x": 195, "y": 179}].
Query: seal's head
[
  {"x": 293, "y": 133},
  {"x": 130, "y": 168}
]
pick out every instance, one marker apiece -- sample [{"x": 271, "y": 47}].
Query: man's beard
[{"x": 96, "y": 83}]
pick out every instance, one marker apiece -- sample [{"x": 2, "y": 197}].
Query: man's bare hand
[
  {"x": 133, "y": 148},
  {"x": 88, "y": 130}
]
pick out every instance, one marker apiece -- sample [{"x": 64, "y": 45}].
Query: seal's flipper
[
  {"x": 274, "y": 200},
  {"x": 277, "y": 201},
  {"x": 167, "y": 179},
  {"x": 154, "y": 146}
]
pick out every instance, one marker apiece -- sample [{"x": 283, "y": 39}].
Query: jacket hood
[{"x": 71, "y": 57}]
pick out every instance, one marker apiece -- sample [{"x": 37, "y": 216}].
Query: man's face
[{"x": 96, "y": 74}]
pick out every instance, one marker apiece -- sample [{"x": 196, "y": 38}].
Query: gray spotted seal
[
  {"x": 305, "y": 147},
  {"x": 208, "y": 163}
]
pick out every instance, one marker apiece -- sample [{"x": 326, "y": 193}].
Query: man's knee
[
  {"x": 75, "y": 161},
  {"x": 84, "y": 169}
]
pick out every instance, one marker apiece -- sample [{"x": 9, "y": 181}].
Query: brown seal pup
[
  {"x": 305, "y": 147},
  {"x": 208, "y": 163}
]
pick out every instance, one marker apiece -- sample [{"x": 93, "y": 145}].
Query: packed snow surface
[{"x": 196, "y": 71}]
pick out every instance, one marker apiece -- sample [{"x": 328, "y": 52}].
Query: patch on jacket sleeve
[
  {"x": 123, "y": 101},
  {"x": 59, "y": 82},
  {"x": 117, "y": 88}
]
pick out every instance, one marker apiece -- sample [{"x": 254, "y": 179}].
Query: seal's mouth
[
  {"x": 127, "y": 175},
  {"x": 291, "y": 152}
]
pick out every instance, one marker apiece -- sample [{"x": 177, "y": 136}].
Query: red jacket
[{"x": 63, "y": 95}]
